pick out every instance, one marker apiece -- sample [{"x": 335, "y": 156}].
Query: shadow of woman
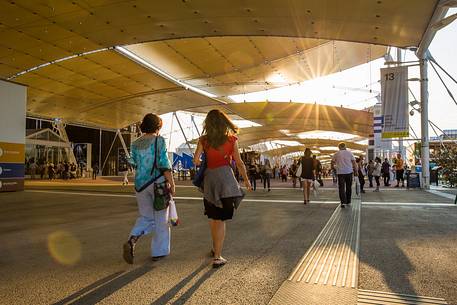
[{"x": 167, "y": 296}]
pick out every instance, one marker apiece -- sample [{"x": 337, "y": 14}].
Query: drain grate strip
[{"x": 366, "y": 297}]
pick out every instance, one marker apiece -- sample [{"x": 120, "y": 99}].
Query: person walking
[
  {"x": 308, "y": 174},
  {"x": 293, "y": 173},
  {"x": 222, "y": 192},
  {"x": 370, "y": 168},
  {"x": 360, "y": 173},
  {"x": 400, "y": 171},
  {"x": 252, "y": 171},
  {"x": 386, "y": 172},
  {"x": 95, "y": 169},
  {"x": 284, "y": 173},
  {"x": 149, "y": 158},
  {"x": 267, "y": 172},
  {"x": 318, "y": 169},
  {"x": 377, "y": 172},
  {"x": 344, "y": 163}
]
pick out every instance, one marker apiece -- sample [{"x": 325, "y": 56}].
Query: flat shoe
[
  {"x": 219, "y": 262},
  {"x": 158, "y": 258}
]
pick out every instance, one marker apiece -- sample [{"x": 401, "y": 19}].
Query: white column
[
  {"x": 400, "y": 140},
  {"x": 425, "y": 151}
]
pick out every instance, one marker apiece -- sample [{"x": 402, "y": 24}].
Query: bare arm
[
  {"x": 170, "y": 181},
  {"x": 240, "y": 165},
  {"x": 197, "y": 153},
  {"x": 355, "y": 167}
]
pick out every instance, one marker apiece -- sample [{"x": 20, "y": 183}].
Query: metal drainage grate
[{"x": 366, "y": 297}]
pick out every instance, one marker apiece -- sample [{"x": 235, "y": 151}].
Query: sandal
[
  {"x": 129, "y": 252},
  {"x": 219, "y": 262}
]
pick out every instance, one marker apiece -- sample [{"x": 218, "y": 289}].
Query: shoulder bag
[
  {"x": 200, "y": 174},
  {"x": 162, "y": 194}
]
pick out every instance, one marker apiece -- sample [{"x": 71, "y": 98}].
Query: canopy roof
[
  {"x": 292, "y": 149},
  {"x": 35, "y": 32},
  {"x": 104, "y": 89},
  {"x": 235, "y": 65},
  {"x": 255, "y": 135},
  {"x": 293, "y": 118}
]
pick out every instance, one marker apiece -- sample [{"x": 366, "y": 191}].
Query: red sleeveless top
[{"x": 221, "y": 156}]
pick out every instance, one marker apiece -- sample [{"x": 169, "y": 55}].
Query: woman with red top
[{"x": 222, "y": 192}]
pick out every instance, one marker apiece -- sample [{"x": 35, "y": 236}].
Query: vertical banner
[
  {"x": 394, "y": 96},
  {"x": 12, "y": 136}
]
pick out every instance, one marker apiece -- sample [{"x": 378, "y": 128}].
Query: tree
[{"x": 446, "y": 158}]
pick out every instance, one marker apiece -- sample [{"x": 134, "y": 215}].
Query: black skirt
[{"x": 217, "y": 213}]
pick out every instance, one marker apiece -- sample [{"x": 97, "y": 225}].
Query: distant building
[{"x": 448, "y": 134}]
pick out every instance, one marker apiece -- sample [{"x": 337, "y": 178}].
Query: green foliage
[{"x": 447, "y": 159}]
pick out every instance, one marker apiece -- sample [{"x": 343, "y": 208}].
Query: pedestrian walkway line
[
  {"x": 328, "y": 272},
  {"x": 406, "y": 204},
  {"x": 176, "y": 198},
  {"x": 442, "y": 194},
  {"x": 333, "y": 257},
  {"x": 369, "y": 297}
]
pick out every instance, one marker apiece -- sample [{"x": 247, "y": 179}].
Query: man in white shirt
[{"x": 346, "y": 167}]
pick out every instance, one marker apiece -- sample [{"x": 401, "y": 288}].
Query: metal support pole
[
  {"x": 171, "y": 131},
  {"x": 109, "y": 151},
  {"x": 100, "y": 152},
  {"x": 183, "y": 133},
  {"x": 195, "y": 125},
  {"x": 425, "y": 151},
  {"x": 127, "y": 154}
]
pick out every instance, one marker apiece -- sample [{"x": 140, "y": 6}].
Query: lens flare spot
[{"x": 64, "y": 247}]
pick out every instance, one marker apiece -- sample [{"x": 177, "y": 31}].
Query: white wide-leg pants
[{"x": 152, "y": 221}]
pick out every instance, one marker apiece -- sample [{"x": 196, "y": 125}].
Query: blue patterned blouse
[{"x": 142, "y": 153}]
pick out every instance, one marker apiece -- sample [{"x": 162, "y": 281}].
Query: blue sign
[
  {"x": 11, "y": 170},
  {"x": 183, "y": 162}
]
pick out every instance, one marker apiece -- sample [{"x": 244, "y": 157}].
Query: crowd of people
[
  {"x": 47, "y": 170},
  {"x": 264, "y": 172},
  {"x": 377, "y": 170}
]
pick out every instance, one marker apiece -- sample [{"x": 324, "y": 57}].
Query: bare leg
[
  {"x": 306, "y": 191},
  {"x": 218, "y": 236}
]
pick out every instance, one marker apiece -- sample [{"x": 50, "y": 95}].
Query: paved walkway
[{"x": 61, "y": 245}]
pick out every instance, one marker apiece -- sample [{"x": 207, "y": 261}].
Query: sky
[{"x": 351, "y": 88}]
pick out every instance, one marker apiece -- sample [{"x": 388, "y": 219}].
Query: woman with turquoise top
[{"x": 150, "y": 161}]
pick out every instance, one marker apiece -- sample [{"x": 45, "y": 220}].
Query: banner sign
[
  {"x": 12, "y": 152},
  {"x": 12, "y": 156},
  {"x": 11, "y": 170},
  {"x": 394, "y": 96},
  {"x": 11, "y": 185}
]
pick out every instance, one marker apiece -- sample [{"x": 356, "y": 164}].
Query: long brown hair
[{"x": 217, "y": 127}]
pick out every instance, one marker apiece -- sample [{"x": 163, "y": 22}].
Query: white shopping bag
[
  {"x": 298, "y": 172},
  {"x": 357, "y": 186},
  {"x": 173, "y": 219},
  {"x": 316, "y": 186}
]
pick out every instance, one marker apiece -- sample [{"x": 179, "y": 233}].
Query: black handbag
[{"x": 200, "y": 174}]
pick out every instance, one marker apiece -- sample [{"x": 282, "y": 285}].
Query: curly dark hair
[
  {"x": 217, "y": 127},
  {"x": 151, "y": 123}
]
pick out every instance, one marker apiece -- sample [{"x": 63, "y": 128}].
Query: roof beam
[{"x": 440, "y": 12}]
